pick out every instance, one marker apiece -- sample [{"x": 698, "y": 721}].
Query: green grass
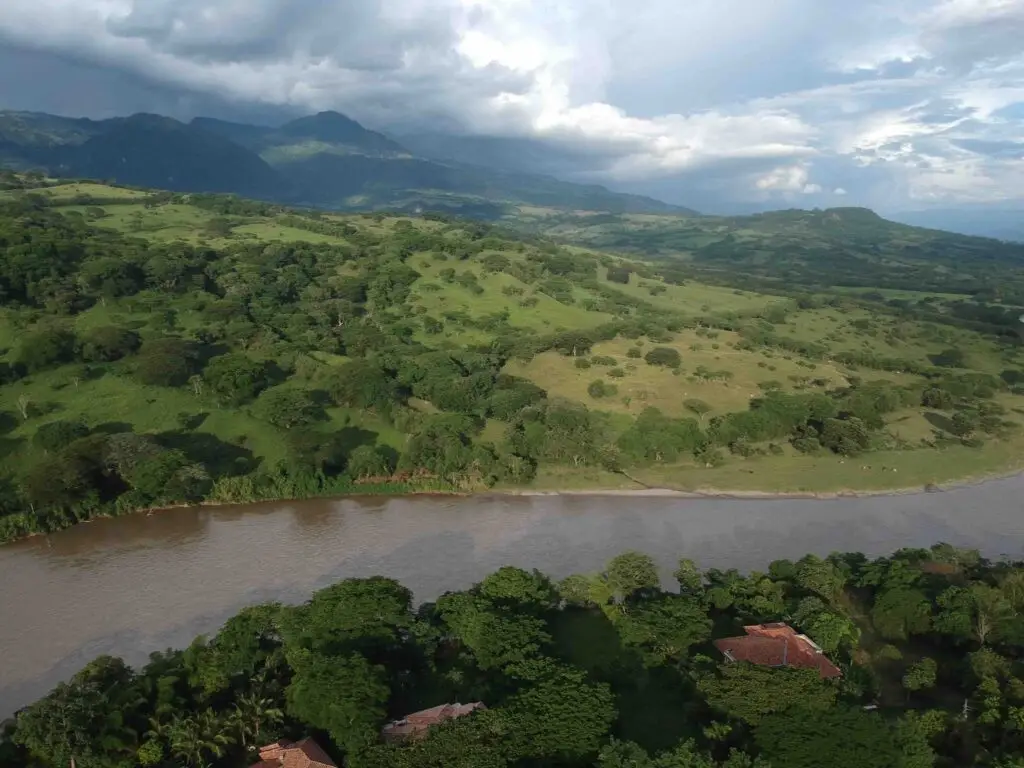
[
  {"x": 646, "y": 386},
  {"x": 693, "y": 298},
  {"x": 269, "y": 230},
  {"x": 547, "y": 316},
  {"x": 164, "y": 223},
  {"x": 60, "y": 192}
]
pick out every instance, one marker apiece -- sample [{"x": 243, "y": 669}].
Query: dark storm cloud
[{"x": 790, "y": 102}]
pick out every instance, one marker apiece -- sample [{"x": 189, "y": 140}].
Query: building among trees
[
  {"x": 416, "y": 725},
  {"x": 777, "y": 645},
  {"x": 302, "y": 754}
]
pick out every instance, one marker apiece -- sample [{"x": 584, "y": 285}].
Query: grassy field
[
  {"x": 643, "y": 386},
  {"x": 63, "y": 192},
  {"x": 692, "y": 298}
]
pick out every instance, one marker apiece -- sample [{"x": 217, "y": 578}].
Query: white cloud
[
  {"x": 793, "y": 97},
  {"x": 788, "y": 179}
]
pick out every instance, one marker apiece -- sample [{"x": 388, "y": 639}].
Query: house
[
  {"x": 302, "y": 754},
  {"x": 416, "y": 725},
  {"x": 777, "y": 645}
]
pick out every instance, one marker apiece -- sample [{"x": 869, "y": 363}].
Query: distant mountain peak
[{"x": 335, "y": 128}]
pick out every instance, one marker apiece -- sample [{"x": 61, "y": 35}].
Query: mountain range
[{"x": 325, "y": 160}]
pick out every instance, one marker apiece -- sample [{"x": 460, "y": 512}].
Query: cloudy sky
[{"x": 895, "y": 104}]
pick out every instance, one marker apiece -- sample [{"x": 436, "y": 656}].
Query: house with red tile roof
[
  {"x": 777, "y": 645},
  {"x": 302, "y": 754},
  {"x": 416, "y": 725}
]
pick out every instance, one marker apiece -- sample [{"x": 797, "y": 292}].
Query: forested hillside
[
  {"x": 325, "y": 160},
  {"x": 922, "y": 652},
  {"x": 160, "y": 348}
]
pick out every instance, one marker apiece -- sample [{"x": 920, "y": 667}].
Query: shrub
[
  {"x": 598, "y": 389},
  {"x": 166, "y": 362},
  {"x": 664, "y": 356},
  {"x": 634, "y": 352},
  {"x": 46, "y": 348},
  {"x": 617, "y": 373},
  {"x": 58, "y": 435},
  {"x": 107, "y": 343}
]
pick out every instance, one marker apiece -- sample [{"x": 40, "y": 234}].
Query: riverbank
[{"x": 806, "y": 477}]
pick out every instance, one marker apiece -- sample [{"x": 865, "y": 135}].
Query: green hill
[
  {"x": 820, "y": 249},
  {"x": 159, "y": 347}
]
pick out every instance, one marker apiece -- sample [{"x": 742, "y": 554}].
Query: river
[{"x": 137, "y": 584}]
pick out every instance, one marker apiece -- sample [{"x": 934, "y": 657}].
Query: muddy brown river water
[{"x": 133, "y": 585}]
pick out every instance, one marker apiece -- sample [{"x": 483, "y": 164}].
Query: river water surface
[{"x": 137, "y": 584}]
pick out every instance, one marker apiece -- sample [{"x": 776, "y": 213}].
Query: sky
[{"x": 893, "y": 104}]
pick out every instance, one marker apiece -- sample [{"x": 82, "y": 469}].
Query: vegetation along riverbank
[
  {"x": 161, "y": 348},
  {"x": 912, "y": 660}
]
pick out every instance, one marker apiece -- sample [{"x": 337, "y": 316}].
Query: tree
[
  {"x": 847, "y": 437},
  {"x": 851, "y": 738},
  {"x": 168, "y": 475},
  {"x": 287, "y": 407},
  {"x": 56, "y": 480},
  {"x": 619, "y": 275},
  {"x": 965, "y": 423},
  {"x": 365, "y": 615},
  {"x": 698, "y": 408},
  {"x": 441, "y": 444},
  {"x": 46, "y": 348},
  {"x": 950, "y": 358},
  {"x": 829, "y": 629},
  {"x": 364, "y": 383},
  {"x": 368, "y": 461},
  {"x": 749, "y": 693},
  {"x": 62, "y": 728},
  {"x": 519, "y": 590},
  {"x": 57, "y": 435},
  {"x": 975, "y": 612},
  {"x": 664, "y": 356},
  {"x": 663, "y": 628},
  {"x": 497, "y": 637},
  {"x": 166, "y": 362},
  {"x": 236, "y": 378},
  {"x": 252, "y": 714},
  {"x": 562, "y": 718},
  {"x": 82, "y": 723},
  {"x": 689, "y": 577},
  {"x": 821, "y": 577},
  {"x": 193, "y": 739},
  {"x": 901, "y": 612},
  {"x": 631, "y": 572},
  {"x": 343, "y": 695},
  {"x": 107, "y": 343},
  {"x": 599, "y": 388},
  {"x": 626, "y": 754},
  {"x": 921, "y": 675}
]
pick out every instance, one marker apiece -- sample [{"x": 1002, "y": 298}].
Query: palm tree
[
  {"x": 192, "y": 738},
  {"x": 251, "y": 713}
]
